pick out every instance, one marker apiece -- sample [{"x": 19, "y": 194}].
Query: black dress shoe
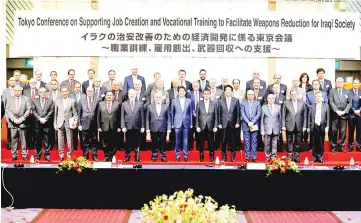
[
  {"x": 14, "y": 158},
  {"x": 25, "y": 158},
  {"x": 95, "y": 159},
  {"x": 61, "y": 159},
  {"x": 297, "y": 161},
  {"x": 185, "y": 159},
  {"x": 164, "y": 160},
  {"x": 48, "y": 159},
  {"x": 153, "y": 160},
  {"x": 178, "y": 160},
  {"x": 255, "y": 160},
  {"x": 137, "y": 160},
  {"x": 247, "y": 160}
]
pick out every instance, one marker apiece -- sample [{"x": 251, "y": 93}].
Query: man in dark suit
[
  {"x": 203, "y": 83},
  {"x": 277, "y": 80},
  {"x": 325, "y": 85},
  {"x": 17, "y": 111},
  {"x": 340, "y": 105},
  {"x": 43, "y": 112},
  {"x": 206, "y": 123},
  {"x": 119, "y": 97},
  {"x": 256, "y": 76},
  {"x": 196, "y": 96},
  {"x": 294, "y": 122},
  {"x": 310, "y": 96},
  {"x": 259, "y": 94},
  {"x": 65, "y": 111},
  {"x": 216, "y": 93},
  {"x": 354, "y": 120},
  {"x": 32, "y": 93},
  {"x": 132, "y": 121},
  {"x": 250, "y": 114},
  {"x": 87, "y": 122},
  {"x": 7, "y": 96},
  {"x": 183, "y": 82},
  {"x": 70, "y": 83},
  {"x": 182, "y": 122},
  {"x": 77, "y": 96},
  {"x": 129, "y": 81},
  {"x": 108, "y": 122},
  {"x": 17, "y": 75},
  {"x": 117, "y": 92},
  {"x": 158, "y": 124},
  {"x": 279, "y": 99},
  {"x": 224, "y": 83},
  {"x": 318, "y": 122},
  {"x": 39, "y": 83},
  {"x": 228, "y": 108},
  {"x": 151, "y": 86},
  {"x": 109, "y": 83},
  {"x": 271, "y": 119},
  {"x": 173, "y": 91},
  {"x": 89, "y": 82},
  {"x": 99, "y": 92}
]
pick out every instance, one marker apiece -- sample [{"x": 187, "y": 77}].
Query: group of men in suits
[{"x": 189, "y": 111}]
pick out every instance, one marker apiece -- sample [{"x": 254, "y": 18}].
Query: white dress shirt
[
  {"x": 64, "y": 102},
  {"x": 206, "y": 105},
  {"x": 318, "y": 114},
  {"x": 182, "y": 101},
  {"x": 135, "y": 77},
  {"x": 91, "y": 82},
  {"x": 158, "y": 107},
  {"x": 38, "y": 84}
]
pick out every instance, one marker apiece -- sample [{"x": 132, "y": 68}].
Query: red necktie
[
  {"x": 109, "y": 108},
  {"x": 89, "y": 104},
  {"x": 32, "y": 94},
  {"x": 132, "y": 106}
]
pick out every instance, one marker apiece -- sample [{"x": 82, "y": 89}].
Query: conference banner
[{"x": 179, "y": 33}]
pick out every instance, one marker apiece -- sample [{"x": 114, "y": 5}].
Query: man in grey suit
[
  {"x": 43, "y": 112},
  {"x": 294, "y": 122},
  {"x": 158, "y": 124},
  {"x": 132, "y": 121},
  {"x": 206, "y": 123},
  {"x": 17, "y": 111},
  {"x": 216, "y": 93},
  {"x": 7, "y": 95},
  {"x": 54, "y": 92},
  {"x": 65, "y": 111},
  {"x": 32, "y": 93},
  {"x": 318, "y": 123},
  {"x": 87, "y": 123},
  {"x": 108, "y": 124},
  {"x": 271, "y": 119},
  {"x": 159, "y": 89},
  {"x": 151, "y": 86},
  {"x": 70, "y": 83},
  {"x": 109, "y": 84},
  {"x": 340, "y": 104},
  {"x": 77, "y": 95}
]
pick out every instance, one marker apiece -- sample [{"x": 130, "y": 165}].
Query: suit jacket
[
  {"x": 143, "y": 99},
  {"x": 47, "y": 112},
  {"x": 203, "y": 118},
  {"x": 48, "y": 86},
  {"x": 280, "y": 100},
  {"x": 327, "y": 86},
  {"x": 128, "y": 83},
  {"x": 231, "y": 116},
  {"x": 338, "y": 103},
  {"x": 132, "y": 120},
  {"x": 310, "y": 98},
  {"x": 249, "y": 85},
  {"x": 292, "y": 120},
  {"x": 31, "y": 121},
  {"x": 240, "y": 95},
  {"x": 356, "y": 102},
  {"x": 221, "y": 87},
  {"x": 205, "y": 87},
  {"x": 172, "y": 95},
  {"x": 191, "y": 96},
  {"x": 325, "y": 116},
  {"x": 101, "y": 94},
  {"x": 85, "y": 85},
  {"x": 107, "y": 85},
  {"x": 155, "y": 122},
  {"x": 179, "y": 117},
  {"x": 270, "y": 123},
  {"x": 27, "y": 93},
  {"x": 77, "y": 100},
  {"x": 23, "y": 113},
  {"x": 150, "y": 88},
  {"x": 307, "y": 87},
  {"x": 283, "y": 89},
  {"x": 188, "y": 86},
  {"x": 21, "y": 84},
  {"x": 261, "y": 97},
  {"x": 165, "y": 97},
  {"x": 301, "y": 93},
  {"x": 6, "y": 96},
  {"x": 247, "y": 117},
  {"x": 108, "y": 121},
  {"x": 120, "y": 97},
  {"x": 87, "y": 116},
  {"x": 50, "y": 95},
  {"x": 67, "y": 85},
  {"x": 62, "y": 115}
]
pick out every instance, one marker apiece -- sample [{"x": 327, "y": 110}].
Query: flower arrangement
[
  {"x": 78, "y": 164},
  {"x": 183, "y": 206},
  {"x": 281, "y": 165}
]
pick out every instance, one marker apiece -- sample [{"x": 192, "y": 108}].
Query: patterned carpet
[{"x": 126, "y": 216}]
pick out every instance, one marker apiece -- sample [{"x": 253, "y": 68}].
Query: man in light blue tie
[
  {"x": 250, "y": 115},
  {"x": 181, "y": 119}
]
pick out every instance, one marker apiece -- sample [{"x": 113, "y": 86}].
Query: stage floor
[{"x": 317, "y": 188}]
